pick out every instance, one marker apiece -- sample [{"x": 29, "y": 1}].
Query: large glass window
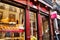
[
  {"x": 33, "y": 25},
  {"x": 45, "y": 28},
  {"x": 12, "y": 21}
]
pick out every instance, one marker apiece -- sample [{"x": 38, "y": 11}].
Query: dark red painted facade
[
  {"x": 40, "y": 26},
  {"x": 27, "y": 25}
]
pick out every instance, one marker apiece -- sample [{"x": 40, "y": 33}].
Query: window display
[
  {"x": 12, "y": 22},
  {"x": 33, "y": 25},
  {"x": 12, "y": 17},
  {"x": 12, "y": 8}
]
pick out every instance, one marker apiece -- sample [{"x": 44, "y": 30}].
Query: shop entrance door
[{"x": 45, "y": 25}]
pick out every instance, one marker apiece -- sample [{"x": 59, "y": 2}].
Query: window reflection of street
[{"x": 45, "y": 28}]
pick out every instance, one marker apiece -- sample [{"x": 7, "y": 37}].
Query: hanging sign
[{"x": 53, "y": 15}]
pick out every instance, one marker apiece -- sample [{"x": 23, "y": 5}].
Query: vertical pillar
[
  {"x": 39, "y": 27},
  {"x": 27, "y": 25},
  {"x": 51, "y": 29}
]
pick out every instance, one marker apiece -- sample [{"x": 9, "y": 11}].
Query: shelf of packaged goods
[
  {"x": 8, "y": 23},
  {"x": 20, "y": 38}
]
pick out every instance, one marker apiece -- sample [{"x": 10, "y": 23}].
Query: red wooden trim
[
  {"x": 51, "y": 28},
  {"x": 27, "y": 25},
  {"x": 21, "y": 1},
  {"x": 40, "y": 27}
]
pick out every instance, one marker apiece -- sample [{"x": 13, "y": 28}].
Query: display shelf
[{"x": 13, "y": 23}]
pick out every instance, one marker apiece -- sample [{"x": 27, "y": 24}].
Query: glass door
[
  {"x": 45, "y": 22},
  {"x": 12, "y": 21},
  {"x": 33, "y": 25}
]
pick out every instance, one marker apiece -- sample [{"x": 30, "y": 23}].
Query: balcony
[{"x": 48, "y": 1}]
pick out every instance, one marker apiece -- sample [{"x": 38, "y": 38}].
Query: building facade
[
  {"x": 25, "y": 20},
  {"x": 56, "y": 7}
]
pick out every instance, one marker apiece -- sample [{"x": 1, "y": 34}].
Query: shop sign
[{"x": 53, "y": 15}]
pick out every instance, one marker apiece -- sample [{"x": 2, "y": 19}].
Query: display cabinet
[{"x": 12, "y": 21}]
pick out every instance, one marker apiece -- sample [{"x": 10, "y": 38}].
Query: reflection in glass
[
  {"x": 33, "y": 25},
  {"x": 45, "y": 28}
]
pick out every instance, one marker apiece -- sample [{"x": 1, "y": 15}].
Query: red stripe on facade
[{"x": 40, "y": 26}]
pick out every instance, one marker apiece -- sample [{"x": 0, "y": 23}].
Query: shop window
[
  {"x": 33, "y": 25},
  {"x": 22, "y": 21},
  {"x": 15, "y": 16},
  {"x": 46, "y": 35}
]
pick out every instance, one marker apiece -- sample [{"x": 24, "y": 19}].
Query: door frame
[{"x": 40, "y": 26}]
